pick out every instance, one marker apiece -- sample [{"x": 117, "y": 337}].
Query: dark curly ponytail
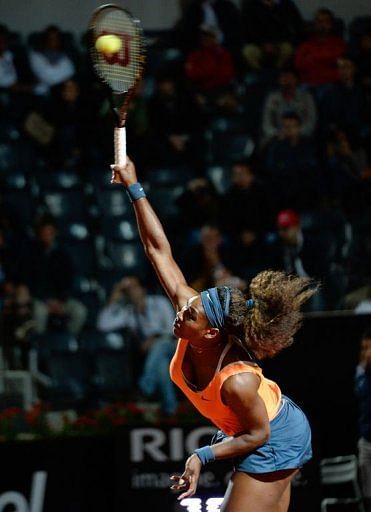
[{"x": 269, "y": 325}]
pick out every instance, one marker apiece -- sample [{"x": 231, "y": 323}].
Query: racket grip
[{"x": 120, "y": 146}]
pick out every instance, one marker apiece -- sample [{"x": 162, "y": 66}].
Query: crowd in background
[{"x": 251, "y": 133}]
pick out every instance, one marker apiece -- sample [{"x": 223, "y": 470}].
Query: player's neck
[{"x": 206, "y": 348}]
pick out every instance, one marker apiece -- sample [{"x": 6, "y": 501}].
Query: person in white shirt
[
  {"x": 288, "y": 97},
  {"x": 16, "y": 80},
  {"x": 150, "y": 318},
  {"x": 50, "y": 64}
]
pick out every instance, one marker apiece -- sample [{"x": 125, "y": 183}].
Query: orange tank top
[{"x": 209, "y": 402}]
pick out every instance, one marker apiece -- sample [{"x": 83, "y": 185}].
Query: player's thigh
[{"x": 267, "y": 492}]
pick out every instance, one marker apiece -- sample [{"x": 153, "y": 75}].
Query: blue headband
[
  {"x": 250, "y": 303},
  {"x": 213, "y": 308}
]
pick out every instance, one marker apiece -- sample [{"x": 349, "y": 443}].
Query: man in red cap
[
  {"x": 299, "y": 253},
  {"x": 292, "y": 241}
]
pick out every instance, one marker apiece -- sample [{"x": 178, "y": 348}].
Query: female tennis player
[{"x": 221, "y": 333}]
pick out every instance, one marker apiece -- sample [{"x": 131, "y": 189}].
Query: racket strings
[{"x": 119, "y": 76}]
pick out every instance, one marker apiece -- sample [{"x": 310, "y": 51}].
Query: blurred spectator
[
  {"x": 209, "y": 67},
  {"x": 68, "y": 114},
  {"x": 248, "y": 256},
  {"x": 344, "y": 165},
  {"x": 176, "y": 126},
  {"x": 150, "y": 319},
  {"x": 288, "y": 98},
  {"x": 342, "y": 104},
  {"x": 299, "y": 253},
  {"x": 229, "y": 113},
  {"x": 272, "y": 28},
  {"x": 50, "y": 63},
  {"x": 247, "y": 204},
  {"x": 9, "y": 255},
  {"x": 357, "y": 197},
  {"x": 222, "y": 14},
  {"x": 362, "y": 57},
  {"x": 47, "y": 269},
  {"x": 207, "y": 258},
  {"x": 362, "y": 383},
  {"x": 291, "y": 166},
  {"x": 17, "y": 324},
  {"x": 363, "y": 63},
  {"x": 316, "y": 58},
  {"x": 198, "y": 204},
  {"x": 16, "y": 79}
]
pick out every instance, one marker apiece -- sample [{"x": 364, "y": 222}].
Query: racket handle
[{"x": 120, "y": 146}]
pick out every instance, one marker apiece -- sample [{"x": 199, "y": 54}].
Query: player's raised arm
[{"x": 153, "y": 237}]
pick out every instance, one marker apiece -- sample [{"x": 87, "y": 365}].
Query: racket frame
[{"x": 123, "y": 97}]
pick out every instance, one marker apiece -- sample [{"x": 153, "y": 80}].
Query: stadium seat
[
  {"x": 58, "y": 181},
  {"x": 113, "y": 203},
  {"x": 168, "y": 176},
  {"x": 13, "y": 181},
  {"x": 112, "y": 375},
  {"x": 163, "y": 58},
  {"x": 225, "y": 148},
  {"x": 220, "y": 177},
  {"x": 97, "y": 341},
  {"x": 92, "y": 294},
  {"x": 69, "y": 369},
  {"x": 163, "y": 199},
  {"x": 127, "y": 257},
  {"x": 76, "y": 238},
  {"x": 111, "y": 354},
  {"x": 18, "y": 196},
  {"x": 66, "y": 206},
  {"x": 340, "y": 473},
  {"x": 70, "y": 378},
  {"x": 330, "y": 223},
  {"x": 55, "y": 342},
  {"x": 100, "y": 178},
  {"x": 119, "y": 229},
  {"x": 9, "y": 158},
  {"x": 225, "y": 124}
]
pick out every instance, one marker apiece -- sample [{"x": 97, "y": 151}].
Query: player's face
[{"x": 191, "y": 322}]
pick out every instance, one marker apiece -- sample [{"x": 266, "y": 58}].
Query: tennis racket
[{"x": 121, "y": 71}]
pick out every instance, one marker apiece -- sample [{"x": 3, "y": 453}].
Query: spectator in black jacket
[
  {"x": 175, "y": 123},
  {"x": 222, "y": 14},
  {"x": 247, "y": 204},
  {"x": 47, "y": 269},
  {"x": 342, "y": 104},
  {"x": 290, "y": 163},
  {"x": 271, "y": 30}
]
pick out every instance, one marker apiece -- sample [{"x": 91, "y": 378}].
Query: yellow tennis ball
[{"x": 108, "y": 44}]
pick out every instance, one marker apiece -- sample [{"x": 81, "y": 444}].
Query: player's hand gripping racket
[{"x": 117, "y": 52}]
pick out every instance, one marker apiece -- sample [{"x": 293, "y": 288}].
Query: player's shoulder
[{"x": 241, "y": 382}]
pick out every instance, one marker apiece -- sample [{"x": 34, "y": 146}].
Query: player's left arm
[{"x": 240, "y": 393}]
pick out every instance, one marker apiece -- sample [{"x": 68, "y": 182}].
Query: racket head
[{"x": 121, "y": 71}]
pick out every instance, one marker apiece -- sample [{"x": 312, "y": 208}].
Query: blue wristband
[
  {"x": 205, "y": 454},
  {"x": 135, "y": 192}
]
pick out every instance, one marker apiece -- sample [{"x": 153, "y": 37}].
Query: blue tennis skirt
[{"x": 289, "y": 445}]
